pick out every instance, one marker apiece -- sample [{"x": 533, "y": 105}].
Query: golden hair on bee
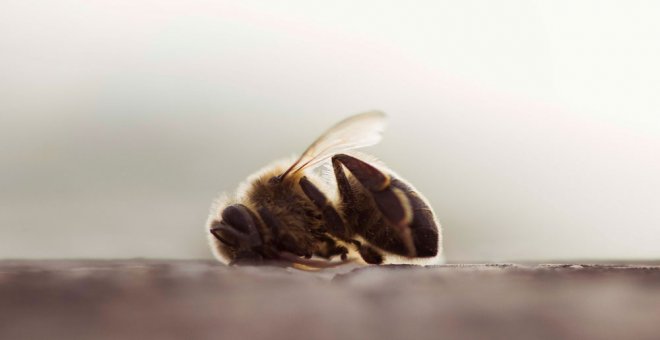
[{"x": 296, "y": 212}]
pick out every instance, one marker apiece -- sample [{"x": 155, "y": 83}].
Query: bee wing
[{"x": 360, "y": 130}]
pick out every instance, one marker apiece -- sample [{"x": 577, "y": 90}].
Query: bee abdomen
[{"x": 386, "y": 211}]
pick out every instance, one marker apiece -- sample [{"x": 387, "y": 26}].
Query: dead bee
[{"x": 288, "y": 213}]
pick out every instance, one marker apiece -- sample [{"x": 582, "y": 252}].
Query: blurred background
[{"x": 532, "y": 126}]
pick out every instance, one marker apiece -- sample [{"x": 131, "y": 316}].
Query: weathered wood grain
[{"x": 142, "y": 299}]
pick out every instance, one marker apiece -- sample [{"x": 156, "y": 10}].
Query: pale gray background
[{"x": 532, "y": 126}]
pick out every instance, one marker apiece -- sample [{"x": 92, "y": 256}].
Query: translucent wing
[{"x": 354, "y": 132}]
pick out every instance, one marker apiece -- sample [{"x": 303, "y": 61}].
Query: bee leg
[
  {"x": 344, "y": 254},
  {"x": 309, "y": 264},
  {"x": 330, "y": 248},
  {"x": 344, "y": 186},
  {"x": 283, "y": 241},
  {"x": 392, "y": 202},
  {"x": 370, "y": 255},
  {"x": 339, "y": 250},
  {"x": 333, "y": 221}
]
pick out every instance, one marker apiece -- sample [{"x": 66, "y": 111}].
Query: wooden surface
[{"x": 141, "y": 299}]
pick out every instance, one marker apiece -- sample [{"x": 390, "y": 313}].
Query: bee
[{"x": 293, "y": 213}]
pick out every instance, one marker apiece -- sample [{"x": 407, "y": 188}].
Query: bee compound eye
[
  {"x": 238, "y": 216},
  {"x": 238, "y": 228}
]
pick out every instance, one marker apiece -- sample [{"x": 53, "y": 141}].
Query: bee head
[{"x": 238, "y": 234}]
